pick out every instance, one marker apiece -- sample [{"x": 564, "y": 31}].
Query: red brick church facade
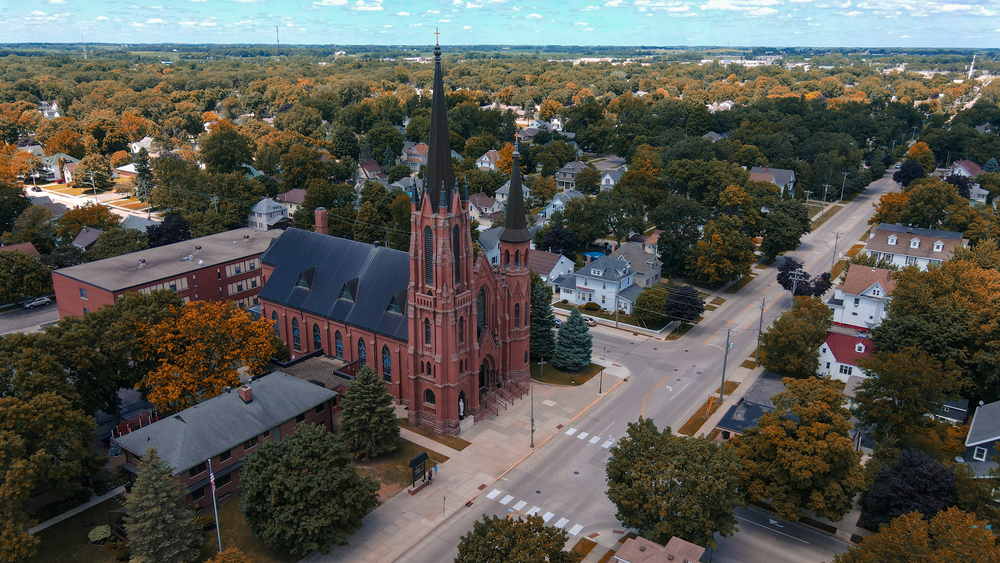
[{"x": 460, "y": 336}]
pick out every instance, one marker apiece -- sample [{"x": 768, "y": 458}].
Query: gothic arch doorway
[{"x": 489, "y": 375}]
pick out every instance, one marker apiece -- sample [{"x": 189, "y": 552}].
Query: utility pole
[
  {"x": 844, "y": 185},
  {"x": 725, "y": 359},
  {"x": 826, "y": 188},
  {"x": 276, "y": 36},
  {"x": 808, "y": 193},
  {"x": 835, "y": 241},
  {"x": 760, "y": 329},
  {"x": 93, "y": 185},
  {"x": 796, "y": 278},
  {"x": 618, "y": 286}
]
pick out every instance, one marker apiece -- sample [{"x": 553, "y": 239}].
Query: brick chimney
[
  {"x": 321, "y": 221},
  {"x": 246, "y": 394}
]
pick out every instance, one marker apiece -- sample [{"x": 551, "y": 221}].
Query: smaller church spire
[
  {"x": 443, "y": 202},
  {"x": 515, "y": 227},
  {"x": 465, "y": 189}
]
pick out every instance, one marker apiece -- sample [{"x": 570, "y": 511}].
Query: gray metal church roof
[{"x": 380, "y": 275}]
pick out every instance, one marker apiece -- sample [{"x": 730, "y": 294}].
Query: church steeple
[
  {"x": 440, "y": 177},
  {"x": 515, "y": 228}
]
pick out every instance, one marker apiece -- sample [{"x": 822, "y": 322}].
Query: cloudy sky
[{"x": 877, "y": 23}]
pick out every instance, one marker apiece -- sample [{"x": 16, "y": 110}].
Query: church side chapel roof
[{"x": 375, "y": 277}]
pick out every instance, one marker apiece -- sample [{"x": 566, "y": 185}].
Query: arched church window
[
  {"x": 481, "y": 311},
  {"x": 296, "y": 341},
  {"x": 429, "y": 397},
  {"x": 362, "y": 353},
  {"x": 456, "y": 247},
  {"x": 461, "y": 330},
  {"x": 517, "y": 259},
  {"x": 427, "y": 332},
  {"x": 277, "y": 326},
  {"x": 428, "y": 256},
  {"x": 339, "y": 344},
  {"x": 386, "y": 364},
  {"x": 517, "y": 315},
  {"x": 317, "y": 338}
]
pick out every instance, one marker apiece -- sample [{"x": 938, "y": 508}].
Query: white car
[
  {"x": 591, "y": 321},
  {"x": 37, "y": 302}
]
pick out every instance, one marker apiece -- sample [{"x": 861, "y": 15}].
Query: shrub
[
  {"x": 591, "y": 307},
  {"x": 99, "y": 534},
  {"x": 206, "y": 523},
  {"x": 565, "y": 301}
]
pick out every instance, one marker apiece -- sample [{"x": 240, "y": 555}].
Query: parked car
[
  {"x": 37, "y": 302},
  {"x": 898, "y": 165},
  {"x": 36, "y": 189},
  {"x": 591, "y": 321},
  {"x": 559, "y": 322}
]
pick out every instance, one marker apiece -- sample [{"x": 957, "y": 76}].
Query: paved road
[
  {"x": 564, "y": 481},
  {"x": 28, "y": 320}
]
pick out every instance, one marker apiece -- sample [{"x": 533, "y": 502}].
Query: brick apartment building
[
  {"x": 226, "y": 429},
  {"x": 223, "y": 266}
]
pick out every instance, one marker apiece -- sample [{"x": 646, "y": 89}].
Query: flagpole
[{"x": 215, "y": 507}]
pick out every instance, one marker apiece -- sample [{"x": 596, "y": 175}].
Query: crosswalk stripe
[
  {"x": 575, "y": 530},
  {"x": 506, "y": 500},
  {"x": 534, "y": 510},
  {"x": 571, "y": 431},
  {"x": 520, "y": 504},
  {"x": 493, "y": 494},
  {"x": 607, "y": 444},
  {"x": 583, "y": 435},
  {"x": 548, "y": 516},
  {"x": 562, "y": 522},
  {"x": 595, "y": 439}
]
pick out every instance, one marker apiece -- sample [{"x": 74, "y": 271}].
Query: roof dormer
[
  {"x": 892, "y": 239},
  {"x": 859, "y": 348},
  {"x": 914, "y": 243},
  {"x": 938, "y": 246},
  {"x": 596, "y": 272}
]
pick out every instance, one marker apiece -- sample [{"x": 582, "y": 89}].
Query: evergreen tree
[
  {"x": 685, "y": 305},
  {"x": 368, "y": 421},
  {"x": 574, "y": 345},
  {"x": 543, "y": 338},
  {"x": 160, "y": 527},
  {"x": 992, "y": 166},
  {"x": 303, "y": 493},
  {"x": 143, "y": 175}
]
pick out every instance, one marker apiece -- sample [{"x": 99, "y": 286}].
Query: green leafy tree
[
  {"x": 622, "y": 212},
  {"x": 681, "y": 220},
  {"x": 908, "y": 172},
  {"x": 791, "y": 345},
  {"x": 573, "y": 348},
  {"x": 303, "y": 494},
  {"x": 337, "y": 199},
  {"x": 801, "y": 455},
  {"x": 383, "y": 138},
  {"x": 93, "y": 172},
  {"x": 399, "y": 223},
  {"x": 584, "y": 217},
  {"x": 781, "y": 234},
  {"x": 16, "y": 485},
  {"x": 587, "y": 180},
  {"x": 684, "y": 305},
  {"x": 951, "y": 535},
  {"x": 224, "y": 150},
  {"x": 300, "y": 165},
  {"x": 302, "y": 119},
  {"x": 368, "y": 227},
  {"x": 929, "y": 203},
  {"x": 144, "y": 180},
  {"x": 724, "y": 253},
  {"x": 650, "y": 307},
  {"x": 657, "y": 482},
  {"x": 368, "y": 421},
  {"x": 117, "y": 242},
  {"x": 160, "y": 527},
  {"x": 63, "y": 257},
  {"x": 500, "y": 540},
  {"x": 399, "y": 171},
  {"x": 33, "y": 226},
  {"x": 173, "y": 228},
  {"x": 912, "y": 482},
  {"x": 542, "y": 340},
  {"x": 21, "y": 277},
  {"x": 13, "y": 202}
]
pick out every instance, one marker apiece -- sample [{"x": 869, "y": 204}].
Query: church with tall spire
[{"x": 447, "y": 331}]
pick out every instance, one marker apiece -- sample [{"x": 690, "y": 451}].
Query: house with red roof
[
  {"x": 966, "y": 168},
  {"x": 488, "y": 162},
  {"x": 649, "y": 241},
  {"x": 415, "y": 155},
  {"x": 860, "y": 302},
  {"x": 25, "y": 247},
  {"x": 839, "y": 355}
]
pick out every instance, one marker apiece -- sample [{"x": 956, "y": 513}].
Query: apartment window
[
  {"x": 239, "y": 287},
  {"x": 828, "y": 365},
  {"x": 602, "y": 300},
  {"x": 319, "y": 408},
  {"x": 250, "y": 443},
  {"x": 197, "y": 469},
  {"x": 980, "y": 454},
  {"x": 846, "y": 370},
  {"x": 198, "y": 493},
  {"x": 224, "y": 480},
  {"x": 238, "y": 271},
  {"x": 253, "y": 265},
  {"x": 300, "y": 419},
  {"x": 218, "y": 273},
  {"x": 604, "y": 285},
  {"x": 83, "y": 293},
  {"x": 220, "y": 292},
  {"x": 910, "y": 260},
  {"x": 225, "y": 455},
  {"x": 85, "y": 310},
  {"x": 938, "y": 247},
  {"x": 194, "y": 281},
  {"x": 857, "y": 301},
  {"x": 267, "y": 433}
]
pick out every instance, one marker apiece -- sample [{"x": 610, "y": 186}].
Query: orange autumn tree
[
  {"x": 889, "y": 208},
  {"x": 506, "y": 162},
  {"x": 200, "y": 350}
]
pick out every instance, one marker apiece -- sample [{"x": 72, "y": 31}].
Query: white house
[
  {"x": 604, "y": 281},
  {"x": 646, "y": 266},
  {"x": 144, "y": 143},
  {"x": 839, "y": 355},
  {"x": 268, "y": 214},
  {"x": 610, "y": 177},
  {"x": 291, "y": 199},
  {"x": 489, "y": 241},
  {"x": 566, "y": 176},
  {"x": 860, "y": 302},
  {"x": 559, "y": 202},
  {"x": 504, "y": 192},
  {"x": 549, "y": 265},
  {"x": 910, "y": 246},
  {"x": 414, "y": 155},
  {"x": 966, "y": 168},
  {"x": 488, "y": 162},
  {"x": 482, "y": 208},
  {"x": 784, "y": 179}
]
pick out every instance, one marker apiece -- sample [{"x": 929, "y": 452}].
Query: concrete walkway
[
  {"x": 498, "y": 444},
  {"x": 74, "y": 511}
]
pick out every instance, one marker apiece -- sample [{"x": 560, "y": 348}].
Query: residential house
[
  {"x": 67, "y": 171},
  {"x": 646, "y": 266},
  {"x": 784, "y": 179},
  {"x": 566, "y": 176},
  {"x": 484, "y": 208},
  {"x": 641, "y": 550},
  {"x": 488, "y": 162},
  {"x": 414, "y": 155},
  {"x": 52, "y": 166},
  {"x": 291, "y": 200},
  {"x": 953, "y": 412},
  {"x": 489, "y": 242},
  {"x": 407, "y": 184},
  {"x": 368, "y": 170},
  {"x": 527, "y": 134},
  {"x": 225, "y": 429},
  {"x": 713, "y": 136},
  {"x": 754, "y": 404},
  {"x": 49, "y": 110},
  {"x": 559, "y": 202},
  {"x": 610, "y": 177},
  {"x": 25, "y": 247},
  {"x": 33, "y": 149},
  {"x": 549, "y": 265},
  {"x": 966, "y": 168},
  {"x": 910, "y": 246},
  {"x": 540, "y": 124},
  {"x": 839, "y": 355},
  {"x": 504, "y": 191},
  {"x": 648, "y": 242},
  {"x": 86, "y": 238},
  {"x": 57, "y": 209},
  {"x": 605, "y": 281},
  {"x": 127, "y": 171},
  {"x": 456, "y": 156},
  {"x": 268, "y": 214},
  {"x": 568, "y": 141},
  {"x": 144, "y": 143},
  {"x": 980, "y": 444},
  {"x": 138, "y": 223},
  {"x": 860, "y": 302}
]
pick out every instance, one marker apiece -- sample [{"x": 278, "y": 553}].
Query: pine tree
[
  {"x": 368, "y": 421},
  {"x": 574, "y": 345},
  {"x": 992, "y": 166},
  {"x": 160, "y": 527},
  {"x": 143, "y": 175},
  {"x": 543, "y": 337}
]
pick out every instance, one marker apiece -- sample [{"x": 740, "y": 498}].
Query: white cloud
[
  {"x": 472, "y": 6},
  {"x": 330, "y": 3},
  {"x": 613, "y": 3},
  {"x": 154, "y": 20},
  {"x": 466, "y": 27},
  {"x": 904, "y": 36},
  {"x": 852, "y": 14},
  {"x": 197, "y": 0},
  {"x": 810, "y": 24},
  {"x": 370, "y": 6},
  {"x": 386, "y": 25},
  {"x": 590, "y": 9},
  {"x": 100, "y": 18},
  {"x": 137, "y": 24},
  {"x": 188, "y": 24},
  {"x": 846, "y": 4},
  {"x": 588, "y": 29},
  {"x": 57, "y": 1},
  {"x": 207, "y": 24},
  {"x": 581, "y": 23},
  {"x": 37, "y": 13},
  {"x": 737, "y": 5},
  {"x": 533, "y": 16},
  {"x": 762, "y": 12},
  {"x": 402, "y": 13},
  {"x": 433, "y": 11}
]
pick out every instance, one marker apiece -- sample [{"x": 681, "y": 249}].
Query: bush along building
[{"x": 447, "y": 332}]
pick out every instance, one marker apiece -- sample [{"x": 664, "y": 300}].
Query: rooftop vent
[
  {"x": 201, "y": 262},
  {"x": 142, "y": 262},
  {"x": 246, "y": 238},
  {"x": 197, "y": 249}
]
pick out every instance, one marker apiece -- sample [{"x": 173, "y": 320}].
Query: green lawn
[
  {"x": 66, "y": 542},
  {"x": 740, "y": 284},
  {"x": 680, "y": 331},
  {"x": 393, "y": 471},
  {"x": 556, "y": 376},
  {"x": 235, "y": 533},
  {"x": 823, "y": 218}
]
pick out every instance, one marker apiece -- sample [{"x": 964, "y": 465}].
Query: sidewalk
[
  {"x": 498, "y": 443},
  {"x": 74, "y": 511}
]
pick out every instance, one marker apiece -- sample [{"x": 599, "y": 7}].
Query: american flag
[{"x": 211, "y": 476}]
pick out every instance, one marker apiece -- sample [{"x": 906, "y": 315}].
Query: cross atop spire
[{"x": 437, "y": 37}]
